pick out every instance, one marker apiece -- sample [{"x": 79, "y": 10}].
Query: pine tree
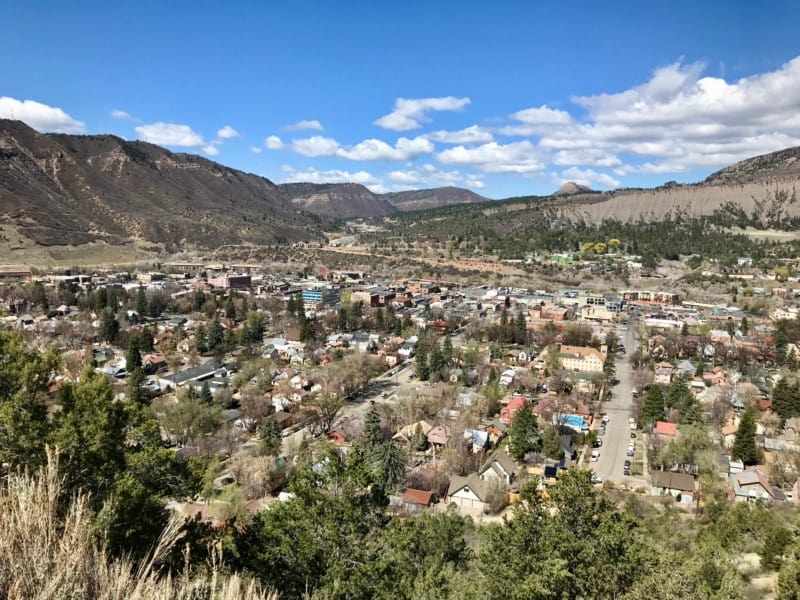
[
  {"x": 551, "y": 444},
  {"x": 216, "y": 336},
  {"x": 653, "y": 408},
  {"x": 205, "y": 393},
  {"x": 136, "y": 391},
  {"x": 525, "y": 436},
  {"x": 109, "y": 326},
  {"x": 744, "y": 445},
  {"x": 422, "y": 369},
  {"x": 447, "y": 351},
  {"x": 140, "y": 304},
  {"x": 201, "y": 339},
  {"x": 436, "y": 362},
  {"x": 230, "y": 308},
  {"x": 133, "y": 357}
]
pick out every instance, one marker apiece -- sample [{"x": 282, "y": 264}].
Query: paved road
[{"x": 618, "y": 433}]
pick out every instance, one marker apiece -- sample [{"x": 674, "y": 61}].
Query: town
[{"x": 477, "y": 389}]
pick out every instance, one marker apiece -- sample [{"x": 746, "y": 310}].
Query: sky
[{"x": 504, "y": 98}]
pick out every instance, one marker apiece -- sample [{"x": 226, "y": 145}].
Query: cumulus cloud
[
  {"x": 312, "y": 175},
  {"x": 255, "y": 149},
  {"x": 428, "y": 175},
  {"x": 210, "y": 149},
  {"x": 676, "y": 121},
  {"x": 411, "y": 113},
  {"x": 39, "y": 116},
  {"x": 273, "y": 142},
  {"x": 587, "y": 177},
  {"x": 316, "y": 145},
  {"x": 517, "y": 157},
  {"x": 470, "y": 135},
  {"x": 170, "y": 134},
  {"x": 305, "y": 124},
  {"x": 370, "y": 149},
  {"x": 227, "y": 133}
]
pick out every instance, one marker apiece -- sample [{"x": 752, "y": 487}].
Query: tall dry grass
[{"x": 48, "y": 555}]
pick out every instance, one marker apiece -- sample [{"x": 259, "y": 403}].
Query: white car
[{"x": 595, "y": 455}]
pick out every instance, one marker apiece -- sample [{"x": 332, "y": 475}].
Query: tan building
[{"x": 582, "y": 359}]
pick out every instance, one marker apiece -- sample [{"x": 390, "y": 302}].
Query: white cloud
[
  {"x": 170, "y": 134},
  {"x": 372, "y": 149},
  {"x": 517, "y": 157},
  {"x": 587, "y": 177},
  {"x": 273, "y": 142},
  {"x": 39, "y": 116},
  {"x": 305, "y": 124},
  {"x": 312, "y": 175},
  {"x": 255, "y": 149},
  {"x": 315, "y": 146},
  {"x": 210, "y": 150},
  {"x": 470, "y": 135},
  {"x": 227, "y": 133},
  {"x": 428, "y": 175},
  {"x": 589, "y": 156},
  {"x": 411, "y": 113},
  {"x": 122, "y": 115}
]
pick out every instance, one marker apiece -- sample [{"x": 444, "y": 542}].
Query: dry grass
[{"x": 46, "y": 555}]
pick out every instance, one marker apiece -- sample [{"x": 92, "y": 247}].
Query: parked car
[
  {"x": 606, "y": 419},
  {"x": 596, "y": 478},
  {"x": 633, "y": 434},
  {"x": 595, "y": 455},
  {"x": 597, "y": 443}
]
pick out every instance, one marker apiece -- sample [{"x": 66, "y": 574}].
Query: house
[
  {"x": 679, "y": 485},
  {"x": 470, "y": 493},
  {"x": 405, "y": 435},
  {"x": 200, "y": 373},
  {"x": 663, "y": 373},
  {"x": 417, "y": 499},
  {"x": 508, "y": 412},
  {"x": 438, "y": 436},
  {"x": 499, "y": 466},
  {"x": 752, "y": 484},
  {"x": 153, "y": 363},
  {"x": 664, "y": 431}
]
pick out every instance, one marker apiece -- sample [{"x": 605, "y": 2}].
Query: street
[{"x": 618, "y": 432}]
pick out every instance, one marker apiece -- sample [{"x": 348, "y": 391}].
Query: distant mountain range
[
  {"x": 351, "y": 200},
  {"x": 66, "y": 190}
]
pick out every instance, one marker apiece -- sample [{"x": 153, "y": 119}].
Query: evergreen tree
[
  {"x": 270, "y": 436},
  {"x": 786, "y": 399},
  {"x": 379, "y": 320},
  {"x": 39, "y": 296},
  {"x": 744, "y": 445},
  {"x": 140, "y": 303},
  {"x": 525, "y": 436},
  {"x": 745, "y": 326},
  {"x": 230, "y": 308},
  {"x": 684, "y": 330},
  {"x": 551, "y": 444},
  {"x": 373, "y": 435},
  {"x": 133, "y": 357},
  {"x": 447, "y": 351},
  {"x": 435, "y": 362},
  {"x": 109, "y": 326},
  {"x": 215, "y": 336},
  {"x": 201, "y": 339},
  {"x": 654, "y": 408},
  {"x": 136, "y": 391},
  {"x": 422, "y": 369}
]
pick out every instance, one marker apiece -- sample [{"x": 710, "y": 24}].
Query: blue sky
[{"x": 505, "y": 98}]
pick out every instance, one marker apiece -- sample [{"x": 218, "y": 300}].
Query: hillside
[
  {"x": 783, "y": 164},
  {"x": 59, "y": 190},
  {"x": 336, "y": 200},
  {"x": 432, "y": 198}
]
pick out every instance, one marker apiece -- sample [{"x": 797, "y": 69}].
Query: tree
[
  {"x": 786, "y": 399},
  {"x": 253, "y": 330},
  {"x": 205, "y": 393},
  {"x": 551, "y": 444},
  {"x": 436, "y": 362},
  {"x": 389, "y": 463},
  {"x": 525, "y": 436},
  {"x": 109, "y": 326},
  {"x": 136, "y": 391},
  {"x": 744, "y": 445},
  {"x": 654, "y": 408},
  {"x": 24, "y": 379},
  {"x": 230, "y": 308},
  {"x": 39, "y": 295},
  {"x": 133, "y": 357},
  {"x": 321, "y": 411},
  {"x": 270, "y": 437},
  {"x": 140, "y": 303},
  {"x": 215, "y": 337},
  {"x": 90, "y": 431},
  {"x": 201, "y": 339},
  {"x": 447, "y": 351},
  {"x": 421, "y": 362}
]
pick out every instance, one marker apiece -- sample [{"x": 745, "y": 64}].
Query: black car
[
  {"x": 597, "y": 443},
  {"x": 627, "y": 465}
]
